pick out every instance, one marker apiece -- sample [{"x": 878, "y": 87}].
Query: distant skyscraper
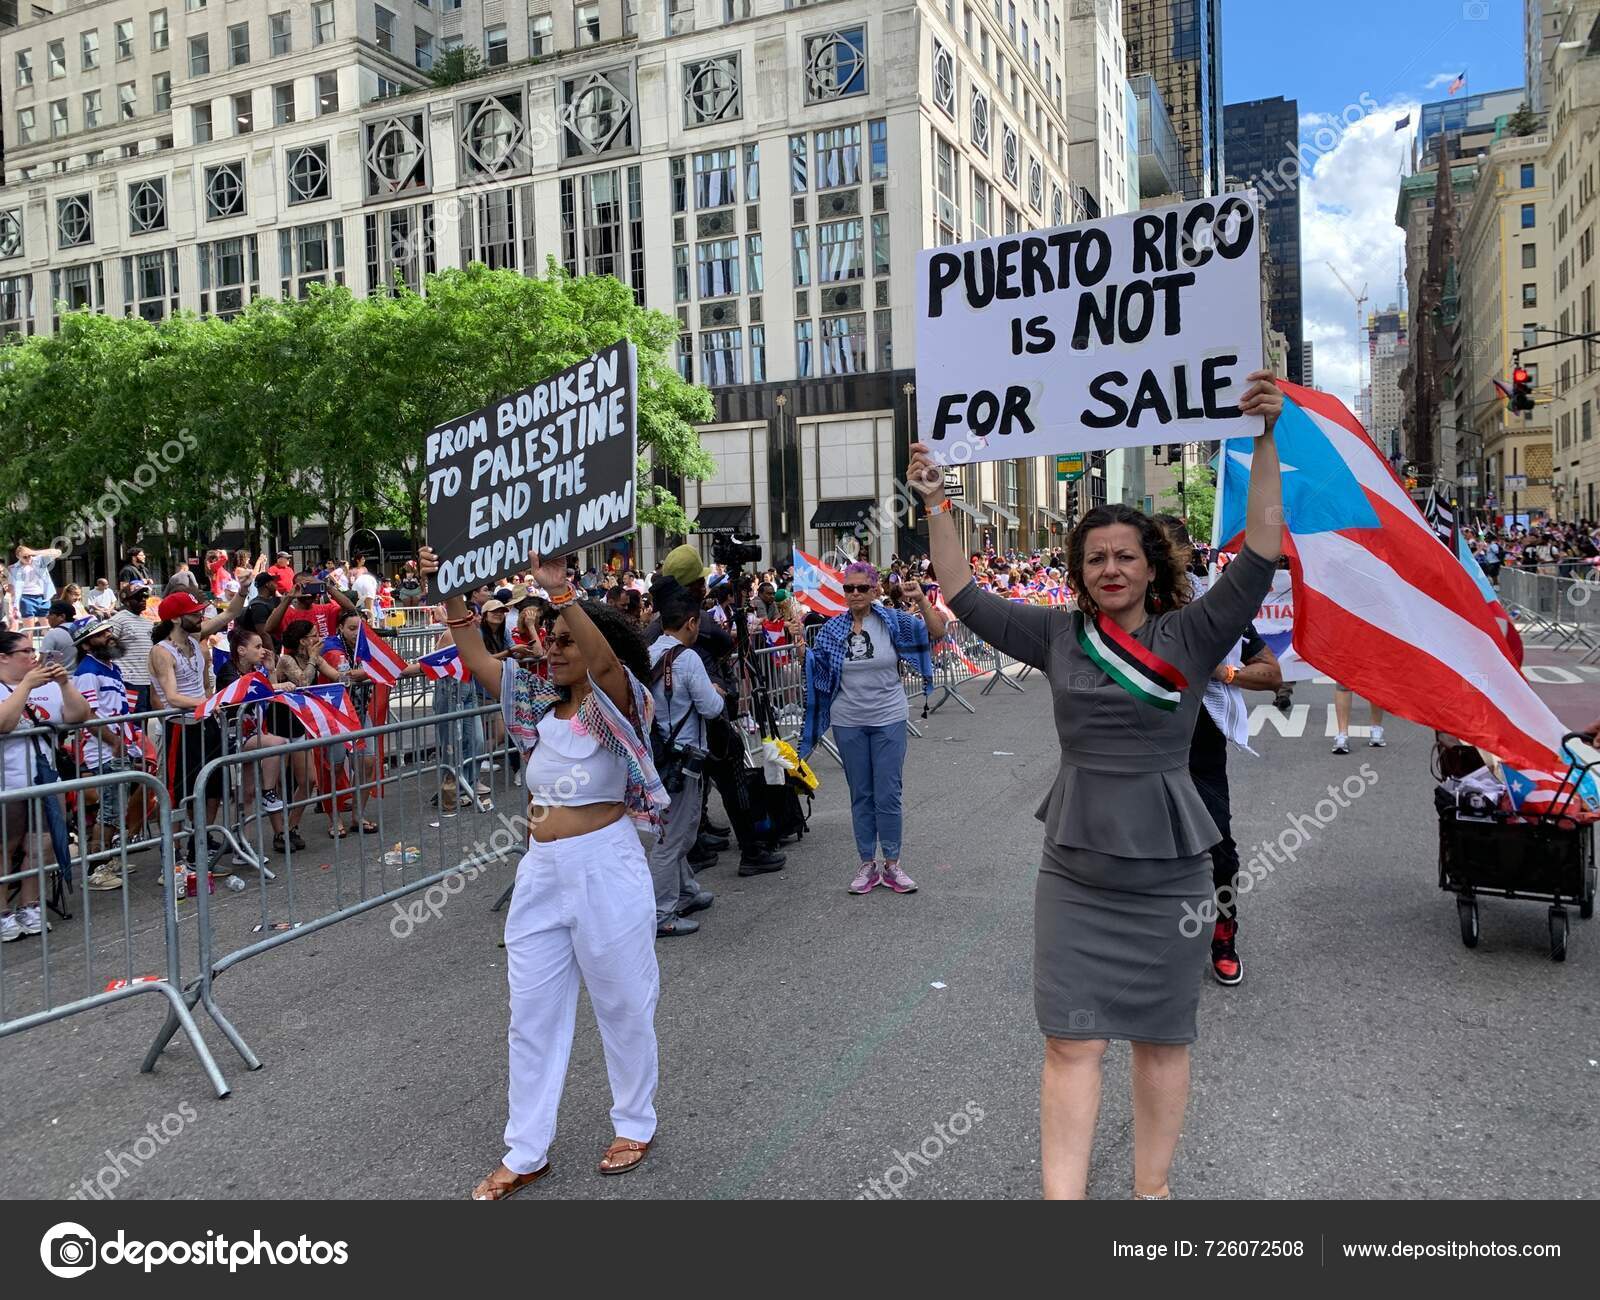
[
  {"x": 1260, "y": 137},
  {"x": 1307, "y": 372},
  {"x": 1179, "y": 43}
]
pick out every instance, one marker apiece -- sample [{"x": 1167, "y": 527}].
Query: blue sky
[{"x": 1338, "y": 60}]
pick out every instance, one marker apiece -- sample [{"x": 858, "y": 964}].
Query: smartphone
[
  {"x": 53, "y": 659},
  {"x": 316, "y": 589}
]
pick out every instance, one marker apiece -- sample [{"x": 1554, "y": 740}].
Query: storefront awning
[
  {"x": 1002, "y": 513},
  {"x": 969, "y": 510},
  {"x": 844, "y": 513},
  {"x": 230, "y": 540},
  {"x": 311, "y": 537},
  {"x": 722, "y": 519},
  {"x": 1059, "y": 518}
]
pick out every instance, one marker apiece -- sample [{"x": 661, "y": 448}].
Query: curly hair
[
  {"x": 621, "y": 634},
  {"x": 1169, "y": 579}
]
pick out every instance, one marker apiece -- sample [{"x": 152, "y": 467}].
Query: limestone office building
[{"x": 765, "y": 170}]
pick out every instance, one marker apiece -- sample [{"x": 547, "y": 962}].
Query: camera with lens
[
  {"x": 733, "y": 550},
  {"x": 72, "y": 1251},
  {"x": 681, "y": 762}
]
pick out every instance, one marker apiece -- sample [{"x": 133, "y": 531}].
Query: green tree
[
  {"x": 1524, "y": 121},
  {"x": 1196, "y": 503},
  {"x": 455, "y": 66}
]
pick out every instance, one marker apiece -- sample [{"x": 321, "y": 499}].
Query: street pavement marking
[{"x": 1293, "y": 726}]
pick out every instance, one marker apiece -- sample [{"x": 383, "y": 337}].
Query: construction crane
[{"x": 1360, "y": 300}]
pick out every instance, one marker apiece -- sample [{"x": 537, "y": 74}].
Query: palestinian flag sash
[{"x": 1144, "y": 674}]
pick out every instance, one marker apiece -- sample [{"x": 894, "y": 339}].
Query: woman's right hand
[{"x": 925, "y": 477}]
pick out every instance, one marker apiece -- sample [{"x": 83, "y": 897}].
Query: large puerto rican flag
[
  {"x": 1381, "y": 605},
  {"x": 816, "y": 586}
]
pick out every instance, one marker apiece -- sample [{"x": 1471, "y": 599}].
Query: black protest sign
[{"x": 545, "y": 471}]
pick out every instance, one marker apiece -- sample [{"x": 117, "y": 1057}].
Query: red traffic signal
[
  {"x": 1519, "y": 376},
  {"x": 1521, "y": 390}
]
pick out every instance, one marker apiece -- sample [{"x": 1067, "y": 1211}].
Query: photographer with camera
[{"x": 684, "y": 697}]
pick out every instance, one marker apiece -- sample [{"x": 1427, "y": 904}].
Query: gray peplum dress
[{"x": 1127, "y": 838}]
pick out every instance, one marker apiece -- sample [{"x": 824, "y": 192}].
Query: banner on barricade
[
  {"x": 1129, "y": 331},
  {"x": 548, "y": 470}
]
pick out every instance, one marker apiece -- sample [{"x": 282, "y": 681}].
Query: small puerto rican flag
[
  {"x": 444, "y": 662},
  {"x": 383, "y": 662},
  {"x": 252, "y": 686},
  {"x": 1144, "y": 674}
]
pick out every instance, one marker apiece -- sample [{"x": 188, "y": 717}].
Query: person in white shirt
[
  {"x": 31, "y": 695},
  {"x": 32, "y": 584},
  {"x": 102, "y": 601},
  {"x": 364, "y": 588}
]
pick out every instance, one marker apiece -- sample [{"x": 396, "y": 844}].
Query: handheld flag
[
  {"x": 383, "y": 662},
  {"x": 1381, "y": 606},
  {"x": 444, "y": 662},
  {"x": 816, "y": 586},
  {"x": 252, "y": 686}
]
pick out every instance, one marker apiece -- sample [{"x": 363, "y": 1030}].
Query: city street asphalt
[{"x": 813, "y": 1041}]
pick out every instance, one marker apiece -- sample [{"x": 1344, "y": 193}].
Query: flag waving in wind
[
  {"x": 816, "y": 586},
  {"x": 383, "y": 662},
  {"x": 1381, "y": 605},
  {"x": 252, "y": 686},
  {"x": 444, "y": 662}
]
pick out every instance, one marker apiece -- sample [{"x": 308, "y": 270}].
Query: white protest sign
[{"x": 1130, "y": 331}]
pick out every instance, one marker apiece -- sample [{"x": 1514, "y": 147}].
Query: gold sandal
[
  {"x": 610, "y": 1163},
  {"x": 502, "y": 1183}
]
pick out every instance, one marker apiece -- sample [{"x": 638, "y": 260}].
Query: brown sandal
[
  {"x": 502, "y": 1183},
  {"x": 611, "y": 1162}
]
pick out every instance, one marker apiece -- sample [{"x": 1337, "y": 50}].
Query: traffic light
[{"x": 1521, "y": 390}]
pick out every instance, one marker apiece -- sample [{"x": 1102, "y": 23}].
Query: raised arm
[
  {"x": 220, "y": 623},
  {"x": 605, "y": 669},
  {"x": 483, "y": 666},
  {"x": 1263, "y": 531},
  {"x": 285, "y": 599}
]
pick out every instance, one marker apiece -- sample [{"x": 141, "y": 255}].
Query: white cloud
[{"x": 1347, "y": 207}]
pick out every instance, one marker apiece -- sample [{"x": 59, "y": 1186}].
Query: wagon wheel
[
  {"x": 1467, "y": 912},
  {"x": 1586, "y": 903},
  {"x": 1558, "y": 934}
]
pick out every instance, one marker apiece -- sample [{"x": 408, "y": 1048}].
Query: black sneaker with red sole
[{"x": 1225, "y": 962}]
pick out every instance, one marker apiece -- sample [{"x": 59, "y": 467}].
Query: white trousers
[{"x": 585, "y": 906}]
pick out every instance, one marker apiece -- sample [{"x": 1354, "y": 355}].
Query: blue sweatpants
[{"x": 874, "y": 758}]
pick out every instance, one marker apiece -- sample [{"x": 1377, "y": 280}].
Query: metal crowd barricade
[
  {"x": 1532, "y": 599},
  {"x": 36, "y": 821},
  {"x": 388, "y": 774}
]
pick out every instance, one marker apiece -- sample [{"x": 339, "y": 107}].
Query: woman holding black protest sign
[
  {"x": 1127, "y": 837},
  {"x": 584, "y": 901}
]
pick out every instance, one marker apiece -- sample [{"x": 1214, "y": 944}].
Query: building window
[
  {"x": 307, "y": 171},
  {"x": 122, "y": 38},
  {"x": 717, "y": 267},
  {"x": 720, "y": 357},
  {"x": 56, "y": 54},
  {"x": 797, "y": 164},
  {"x": 946, "y": 184},
  {"x": 586, "y": 23},
  {"x": 836, "y": 64},
  {"x": 883, "y": 327},
  {"x": 680, "y": 273},
  {"x": 16, "y": 305},
  {"x": 839, "y": 252},
  {"x": 802, "y": 349},
  {"x": 127, "y": 100},
  {"x": 598, "y": 114},
  {"x": 758, "y": 354},
  {"x": 496, "y": 46},
  {"x": 492, "y": 135},
  {"x": 1530, "y": 255},
  {"x": 199, "y": 55},
  {"x": 980, "y": 122},
  {"x": 322, "y": 22},
  {"x": 283, "y": 103},
  {"x": 1530, "y": 335},
  {"x": 230, "y": 276},
  {"x": 602, "y": 226},
  {"x": 383, "y": 22},
  {"x": 201, "y": 116},
  {"x": 1527, "y": 176},
  {"x": 161, "y": 92},
  {"x": 91, "y": 109},
  {"x": 838, "y": 156},
  {"x": 541, "y": 35},
  {"x": 944, "y": 80},
  {"x": 1530, "y": 295},
  {"x": 79, "y": 288},
  {"x": 396, "y": 156},
  {"x": 982, "y": 207},
  {"x": 716, "y": 178},
  {"x": 238, "y": 44},
  {"x": 1527, "y": 216},
  {"x": 309, "y": 255},
  {"x": 74, "y": 221},
  {"x": 880, "y": 244},
  {"x": 1008, "y": 155},
  {"x": 150, "y": 284},
  {"x": 424, "y": 49},
  {"x": 680, "y": 186},
  {"x": 752, "y": 173},
  {"x": 844, "y": 344},
  {"x": 278, "y": 33},
  {"x": 400, "y": 247},
  {"x": 711, "y": 91},
  {"x": 327, "y": 93},
  {"x": 147, "y": 206},
  {"x": 11, "y": 232},
  {"x": 89, "y": 48},
  {"x": 24, "y": 68},
  {"x": 58, "y": 119},
  {"x": 801, "y": 256},
  {"x": 757, "y": 276},
  {"x": 225, "y": 192},
  {"x": 26, "y": 126},
  {"x": 1036, "y": 185},
  {"x": 160, "y": 36},
  {"x": 489, "y": 230}
]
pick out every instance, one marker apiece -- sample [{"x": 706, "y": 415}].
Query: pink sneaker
[
  {"x": 897, "y": 879},
  {"x": 867, "y": 879}
]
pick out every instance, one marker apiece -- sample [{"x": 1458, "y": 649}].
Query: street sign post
[{"x": 1069, "y": 467}]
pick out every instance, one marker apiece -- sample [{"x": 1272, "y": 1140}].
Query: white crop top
[{"x": 569, "y": 767}]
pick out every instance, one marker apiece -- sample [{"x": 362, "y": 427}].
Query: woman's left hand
[
  {"x": 550, "y": 572},
  {"x": 1263, "y": 398}
]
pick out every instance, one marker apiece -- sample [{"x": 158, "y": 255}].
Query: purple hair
[{"x": 862, "y": 569}]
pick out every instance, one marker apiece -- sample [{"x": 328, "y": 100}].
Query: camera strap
[{"x": 662, "y": 672}]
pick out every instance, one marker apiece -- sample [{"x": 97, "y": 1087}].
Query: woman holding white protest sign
[
  {"x": 1127, "y": 837},
  {"x": 584, "y": 902}
]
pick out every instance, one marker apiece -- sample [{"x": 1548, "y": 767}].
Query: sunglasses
[
  {"x": 852, "y": 587},
  {"x": 561, "y": 641}
]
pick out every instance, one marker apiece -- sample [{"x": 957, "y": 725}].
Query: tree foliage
[
  {"x": 1196, "y": 503},
  {"x": 315, "y": 406},
  {"x": 455, "y": 66}
]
